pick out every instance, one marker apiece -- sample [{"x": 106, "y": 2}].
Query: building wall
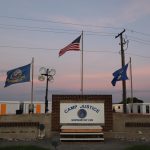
[
  {"x": 56, "y": 99},
  {"x": 142, "y": 108},
  {"x": 10, "y": 107},
  {"x": 130, "y": 126},
  {"x": 123, "y": 126},
  {"x": 117, "y": 107},
  {"x": 22, "y": 126}
]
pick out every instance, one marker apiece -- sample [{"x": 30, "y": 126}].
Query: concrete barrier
[{"x": 25, "y": 126}]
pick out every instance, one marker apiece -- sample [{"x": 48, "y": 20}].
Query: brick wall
[
  {"x": 56, "y": 99},
  {"x": 130, "y": 122},
  {"x": 123, "y": 126},
  {"x": 130, "y": 127},
  {"x": 24, "y": 126}
]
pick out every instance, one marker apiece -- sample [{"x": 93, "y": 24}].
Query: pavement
[{"x": 110, "y": 144}]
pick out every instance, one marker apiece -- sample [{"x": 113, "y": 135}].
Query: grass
[
  {"x": 139, "y": 147},
  {"x": 28, "y": 147}
]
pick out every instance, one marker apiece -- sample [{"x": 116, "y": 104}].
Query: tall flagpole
[
  {"x": 82, "y": 65},
  {"x": 31, "y": 109},
  {"x": 131, "y": 86}
]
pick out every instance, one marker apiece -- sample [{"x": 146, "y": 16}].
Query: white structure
[
  {"x": 91, "y": 113},
  {"x": 142, "y": 108},
  {"x": 118, "y": 108},
  {"x": 11, "y": 107}
]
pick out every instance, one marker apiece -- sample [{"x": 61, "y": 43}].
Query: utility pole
[{"x": 123, "y": 64}]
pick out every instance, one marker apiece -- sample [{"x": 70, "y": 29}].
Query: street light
[{"x": 48, "y": 73}]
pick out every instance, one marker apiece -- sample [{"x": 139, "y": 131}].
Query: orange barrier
[
  {"x": 3, "y": 109},
  {"x": 38, "y": 108}
]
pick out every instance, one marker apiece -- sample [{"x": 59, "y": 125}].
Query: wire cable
[
  {"x": 54, "y": 30},
  {"x": 137, "y": 32},
  {"x": 60, "y": 22},
  {"x": 55, "y": 49}
]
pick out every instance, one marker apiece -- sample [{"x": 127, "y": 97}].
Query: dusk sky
[{"x": 40, "y": 28}]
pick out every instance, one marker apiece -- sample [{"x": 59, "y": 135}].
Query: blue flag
[
  {"x": 120, "y": 74},
  {"x": 18, "y": 75}
]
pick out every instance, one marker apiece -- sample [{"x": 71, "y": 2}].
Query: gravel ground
[{"x": 47, "y": 143}]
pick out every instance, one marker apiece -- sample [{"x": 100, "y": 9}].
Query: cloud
[
  {"x": 126, "y": 13},
  {"x": 134, "y": 10}
]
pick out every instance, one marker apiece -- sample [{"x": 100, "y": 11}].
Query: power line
[
  {"x": 75, "y": 24},
  {"x": 35, "y": 30},
  {"x": 37, "y": 27},
  {"x": 141, "y": 42},
  {"x": 60, "y": 22},
  {"x": 139, "y": 39},
  {"x": 24, "y": 47},
  {"x": 58, "y": 30},
  {"x": 69, "y": 23},
  {"x": 133, "y": 54},
  {"x": 49, "y": 49},
  {"x": 106, "y": 51},
  {"x": 63, "y": 31},
  {"x": 56, "y": 49},
  {"x": 137, "y": 32}
]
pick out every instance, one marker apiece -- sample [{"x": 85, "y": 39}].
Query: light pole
[{"x": 48, "y": 73}]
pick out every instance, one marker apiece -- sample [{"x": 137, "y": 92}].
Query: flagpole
[
  {"x": 82, "y": 65},
  {"x": 32, "y": 107},
  {"x": 131, "y": 86}
]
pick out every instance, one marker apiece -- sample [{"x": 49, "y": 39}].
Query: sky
[{"x": 40, "y": 28}]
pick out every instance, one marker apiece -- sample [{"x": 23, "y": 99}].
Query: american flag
[{"x": 74, "y": 46}]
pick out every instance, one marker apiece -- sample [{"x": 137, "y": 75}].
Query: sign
[{"x": 82, "y": 113}]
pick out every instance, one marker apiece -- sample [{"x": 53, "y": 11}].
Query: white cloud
[
  {"x": 134, "y": 10},
  {"x": 129, "y": 12}
]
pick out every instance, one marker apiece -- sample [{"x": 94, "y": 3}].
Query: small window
[
  {"x": 147, "y": 108},
  {"x": 114, "y": 109},
  {"x": 118, "y": 107},
  {"x": 139, "y": 109}
]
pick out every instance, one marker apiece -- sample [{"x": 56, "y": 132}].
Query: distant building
[
  {"x": 142, "y": 108},
  {"x": 17, "y": 107},
  {"x": 117, "y": 108},
  {"x": 12, "y": 107}
]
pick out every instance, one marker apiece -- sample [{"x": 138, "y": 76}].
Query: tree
[{"x": 135, "y": 100}]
